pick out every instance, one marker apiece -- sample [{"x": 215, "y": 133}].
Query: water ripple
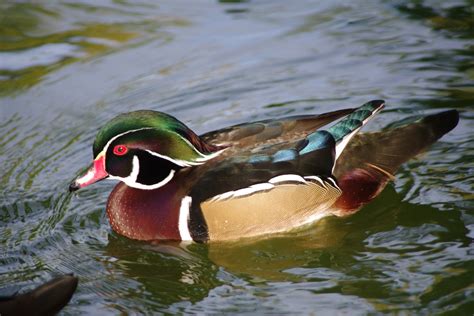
[{"x": 216, "y": 64}]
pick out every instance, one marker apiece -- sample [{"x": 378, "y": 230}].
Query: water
[{"x": 67, "y": 67}]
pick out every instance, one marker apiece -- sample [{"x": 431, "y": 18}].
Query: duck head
[{"x": 144, "y": 149}]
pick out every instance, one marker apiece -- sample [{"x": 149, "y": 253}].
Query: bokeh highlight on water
[{"x": 67, "y": 67}]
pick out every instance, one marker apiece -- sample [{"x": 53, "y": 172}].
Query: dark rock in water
[{"x": 46, "y": 299}]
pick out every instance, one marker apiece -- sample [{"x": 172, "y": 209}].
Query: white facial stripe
[
  {"x": 184, "y": 217},
  {"x": 132, "y": 177},
  {"x": 153, "y": 186},
  {"x": 185, "y": 163},
  {"x": 119, "y": 135},
  {"x": 182, "y": 163},
  {"x": 190, "y": 145},
  {"x": 210, "y": 156},
  {"x": 178, "y": 162},
  {"x": 135, "y": 169},
  {"x": 131, "y": 180},
  {"x": 203, "y": 157}
]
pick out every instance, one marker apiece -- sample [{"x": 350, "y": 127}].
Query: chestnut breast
[{"x": 145, "y": 214}]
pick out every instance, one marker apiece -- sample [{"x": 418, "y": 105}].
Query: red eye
[{"x": 120, "y": 150}]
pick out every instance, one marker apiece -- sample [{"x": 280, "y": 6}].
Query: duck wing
[
  {"x": 288, "y": 128},
  {"x": 272, "y": 186}
]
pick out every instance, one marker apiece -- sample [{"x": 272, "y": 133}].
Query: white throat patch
[{"x": 131, "y": 180}]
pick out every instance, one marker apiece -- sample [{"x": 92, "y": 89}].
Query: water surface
[{"x": 66, "y": 67}]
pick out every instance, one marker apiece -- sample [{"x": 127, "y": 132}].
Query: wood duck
[{"x": 250, "y": 179}]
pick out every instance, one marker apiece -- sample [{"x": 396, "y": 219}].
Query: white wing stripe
[
  {"x": 265, "y": 186},
  {"x": 287, "y": 177},
  {"x": 318, "y": 179},
  {"x": 334, "y": 183}
]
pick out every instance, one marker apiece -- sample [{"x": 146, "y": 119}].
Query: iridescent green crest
[{"x": 155, "y": 131}]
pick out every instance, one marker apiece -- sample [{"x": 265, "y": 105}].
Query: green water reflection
[{"x": 25, "y": 27}]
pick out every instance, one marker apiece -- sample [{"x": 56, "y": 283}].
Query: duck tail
[{"x": 371, "y": 159}]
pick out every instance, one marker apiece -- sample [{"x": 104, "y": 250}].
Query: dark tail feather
[
  {"x": 441, "y": 123},
  {"x": 371, "y": 159}
]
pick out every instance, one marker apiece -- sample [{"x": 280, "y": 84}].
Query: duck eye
[{"x": 120, "y": 150}]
